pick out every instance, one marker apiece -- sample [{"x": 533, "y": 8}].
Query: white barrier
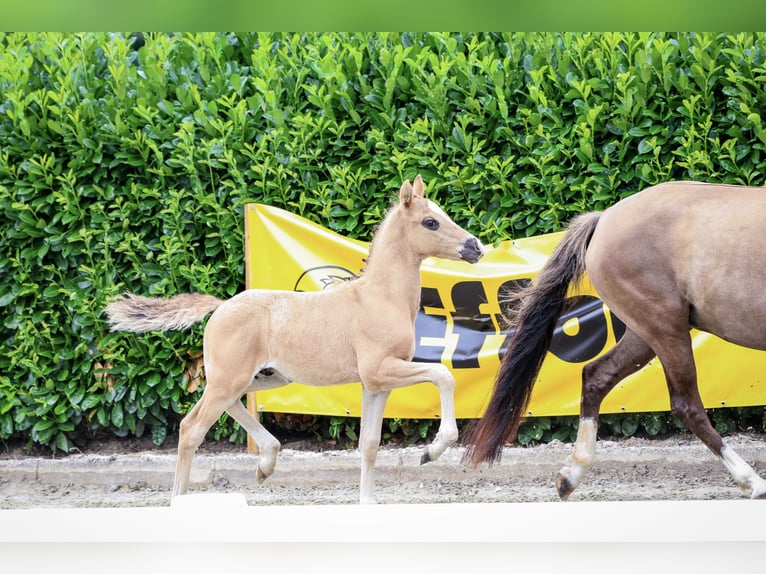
[{"x": 204, "y": 532}]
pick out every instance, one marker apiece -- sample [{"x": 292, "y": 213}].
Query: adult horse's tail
[
  {"x": 142, "y": 314},
  {"x": 539, "y": 307}
]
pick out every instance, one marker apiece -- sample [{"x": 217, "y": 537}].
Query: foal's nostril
[{"x": 472, "y": 250}]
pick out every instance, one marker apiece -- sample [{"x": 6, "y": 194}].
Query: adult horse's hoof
[
  {"x": 425, "y": 458},
  {"x": 564, "y": 487},
  {"x": 260, "y": 475},
  {"x": 761, "y": 496}
]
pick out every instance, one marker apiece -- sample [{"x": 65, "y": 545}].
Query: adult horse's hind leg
[
  {"x": 677, "y": 360},
  {"x": 373, "y": 405},
  {"x": 599, "y": 377}
]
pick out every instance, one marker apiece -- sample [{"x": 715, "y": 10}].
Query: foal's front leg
[
  {"x": 440, "y": 376},
  {"x": 395, "y": 373},
  {"x": 373, "y": 405}
]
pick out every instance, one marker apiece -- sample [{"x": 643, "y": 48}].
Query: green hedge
[{"x": 125, "y": 162}]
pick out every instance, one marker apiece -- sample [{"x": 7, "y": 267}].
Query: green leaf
[
  {"x": 118, "y": 416},
  {"x": 90, "y": 401},
  {"x": 159, "y": 434},
  {"x": 63, "y": 443}
]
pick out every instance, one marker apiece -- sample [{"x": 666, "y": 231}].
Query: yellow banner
[{"x": 460, "y": 325}]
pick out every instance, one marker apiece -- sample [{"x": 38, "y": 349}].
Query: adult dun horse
[
  {"x": 361, "y": 330},
  {"x": 673, "y": 257}
]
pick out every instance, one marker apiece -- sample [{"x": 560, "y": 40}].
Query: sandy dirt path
[{"x": 677, "y": 468}]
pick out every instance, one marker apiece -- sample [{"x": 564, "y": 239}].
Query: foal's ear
[
  {"x": 405, "y": 193},
  {"x": 417, "y": 187}
]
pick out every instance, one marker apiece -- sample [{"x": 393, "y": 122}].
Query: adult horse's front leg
[
  {"x": 373, "y": 405},
  {"x": 685, "y": 402},
  {"x": 395, "y": 373}
]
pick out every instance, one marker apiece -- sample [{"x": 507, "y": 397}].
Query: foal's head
[{"x": 430, "y": 231}]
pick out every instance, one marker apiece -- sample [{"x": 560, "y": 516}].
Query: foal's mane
[{"x": 393, "y": 207}]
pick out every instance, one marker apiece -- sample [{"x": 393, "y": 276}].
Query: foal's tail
[
  {"x": 540, "y": 306},
  {"x": 142, "y": 314}
]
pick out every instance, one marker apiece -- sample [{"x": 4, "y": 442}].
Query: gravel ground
[{"x": 134, "y": 473}]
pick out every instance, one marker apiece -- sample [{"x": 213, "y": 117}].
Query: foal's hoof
[
  {"x": 564, "y": 487},
  {"x": 425, "y": 458},
  {"x": 260, "y": 475},
  {"x": 761, "y": 496}
]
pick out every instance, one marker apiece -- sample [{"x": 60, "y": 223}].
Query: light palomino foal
[{"x": 361, "y": 330}]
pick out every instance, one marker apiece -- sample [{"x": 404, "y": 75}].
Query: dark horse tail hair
[{"x": 539, "y": 307}]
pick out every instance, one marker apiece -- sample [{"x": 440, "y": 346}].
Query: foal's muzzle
[{"x": 472, "y": 250}]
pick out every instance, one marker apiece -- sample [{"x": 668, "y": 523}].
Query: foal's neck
[{"x": 392, "y": 262}]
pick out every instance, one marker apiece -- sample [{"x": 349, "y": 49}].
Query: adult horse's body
[
  {"x": 670, "y": 258},
  {"x": 361, "y": 330}
]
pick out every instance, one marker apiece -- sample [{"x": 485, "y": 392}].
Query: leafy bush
[{"x": 125, "y": 162}]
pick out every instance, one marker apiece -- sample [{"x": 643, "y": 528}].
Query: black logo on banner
[
  {"x": 324, "y": 276},
  {"x": 580, "y": 334}
]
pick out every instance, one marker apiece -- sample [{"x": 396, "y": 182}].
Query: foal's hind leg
[
  {"x": 192, "y": 431},
  {"x": 678, "y": 361},
  {"x": 268, "y": 446},
  {"x": 598, "y": 378}
]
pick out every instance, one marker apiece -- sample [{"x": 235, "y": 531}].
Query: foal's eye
[{"x": 430, "y": 223}]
